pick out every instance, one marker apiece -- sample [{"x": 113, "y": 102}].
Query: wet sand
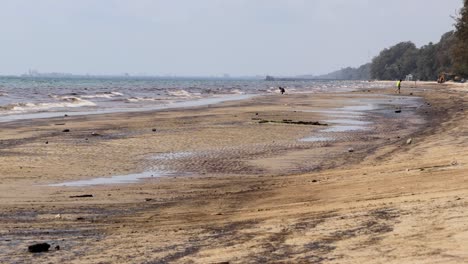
[{"x": 244, "y": 182}]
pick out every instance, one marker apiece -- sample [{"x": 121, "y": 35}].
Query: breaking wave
[
  {"x": 144, "y": 99},
  {"x": 108, "y": 95},
  {"x": 237, "y": 91},
  {"x": 27, "y": 107},
  {"x": 181, "y": 93}
]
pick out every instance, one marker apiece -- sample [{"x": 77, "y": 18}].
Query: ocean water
[{"x": 28, "y": 97}]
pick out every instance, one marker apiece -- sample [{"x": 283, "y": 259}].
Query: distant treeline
[
  {"x": 423, "y": 63},
  {"x": 450, "y": 55},
  {"x": 349, "y": 73}
]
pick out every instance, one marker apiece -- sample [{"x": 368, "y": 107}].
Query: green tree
[
  {"x": 426, "y": 67},
  {"x": 443, "y": 56},
  {"x": 395, "y": 62},
  {"x": 460, "y": 50},
  {"x": 425, "y": 63}
]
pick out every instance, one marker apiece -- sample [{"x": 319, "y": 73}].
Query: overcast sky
[{"x": 210, "y": 37}]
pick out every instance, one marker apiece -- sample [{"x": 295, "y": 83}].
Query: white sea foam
[
  {"x": 272, "y": 90},
  {"x": 102, "y": 95},
  {"x": 237, "y": 91},
  {"x": 28, "y": 107},
  {"x": 180, "y": 93},
  {"x": 144, "y": 99}
]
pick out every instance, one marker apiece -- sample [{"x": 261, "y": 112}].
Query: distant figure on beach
[
  {"x": 398, "y": 84},
  {"x": 282, "y": 90}
]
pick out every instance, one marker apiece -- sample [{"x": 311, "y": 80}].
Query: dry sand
[{"x": 243, "y": 191}]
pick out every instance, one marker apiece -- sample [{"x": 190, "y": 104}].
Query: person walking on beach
[
  {"x": 282, "y": 90},
  {"x": 398, "y": 84}
]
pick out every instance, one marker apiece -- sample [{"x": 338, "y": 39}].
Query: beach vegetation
[
  {"x": 460, "y": 48},
  {"x": 348, "y": 73},
  {"x": 425, "y": 63},
  {"x": 449, "y": 55}
]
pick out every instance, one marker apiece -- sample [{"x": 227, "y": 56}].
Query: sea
[{"x": 41, "y": 97}]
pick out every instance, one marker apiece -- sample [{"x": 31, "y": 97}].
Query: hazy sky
[{"x": 210, "y": 37}]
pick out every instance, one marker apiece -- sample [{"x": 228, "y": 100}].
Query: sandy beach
[{"x": 357, "y": 177}]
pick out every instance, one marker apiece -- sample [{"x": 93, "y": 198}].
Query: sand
[{"x": 236, "y": 190}]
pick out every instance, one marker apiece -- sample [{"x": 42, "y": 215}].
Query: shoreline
[
  {"x": 82, "y": 97},
  {"x": 248, "y": 215},
  {"x": 87, "y": 132},
  {"x": 175, "y": 105},
  {"x": 196, "y": 102}
]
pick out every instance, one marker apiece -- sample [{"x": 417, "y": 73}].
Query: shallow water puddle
[
  {"x": 350, "y": 114},
  {"x": 346, "y": 120},
  {"x": 120, "y": 179},
  {"x": 344, "y": 128},
  {"x": 349, "y": 122},
  {"x": 316, "y": 139},
  {"x": 353, "y": 108}
]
